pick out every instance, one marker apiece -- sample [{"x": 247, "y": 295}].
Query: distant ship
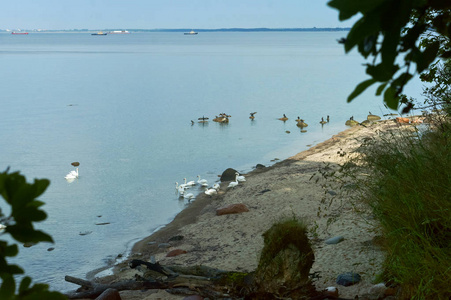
[
  {"x": 119, "y": 32},
  {"x": 19, "y": 32},
  {"x": 190, "y": 33},
  {"x": 99, "y": 33}
]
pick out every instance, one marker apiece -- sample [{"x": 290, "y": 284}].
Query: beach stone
[
  {"x": 175, "y": 252},
  {"x": 164, "y": 245},
  {"x": 401, "y": 120},
  {"x": 232, "y": 209},
  {"x": 193, "y": 297},
  {"x": 109, "y": 294},
  {"x": 332, "y": 193},
  {"x": 260, "y": 166},
  {"x": 373, "y": 117},
  {"x": 378, "y": 290},
  {"x": 228, "y": 175},
  {"x": 331, "y": 291},
  {"x": 334, "y": 240},
  {"x": 176, "y": 238},
  {"x": 347, "y": 279},
  {"x": 351, "y": 123}
]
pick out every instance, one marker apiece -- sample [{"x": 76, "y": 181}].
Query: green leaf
[
  {"x": 360, "y": 88},
  {"x": 25, "y": 284},
  {"x": 7, "y": 288},
  {"x": 381, "y": 72},
  {"x": 367, "y": 26},
  {"x": 11, "y": 250},
  {"x": 427, "y": 56},
  {"x": 390, "y": 98},
  {"x": 349, "y": 8},
  {"x": 381, "y": 88}
]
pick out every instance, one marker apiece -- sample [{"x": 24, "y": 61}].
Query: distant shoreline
[{"x": 314, "y": 29}]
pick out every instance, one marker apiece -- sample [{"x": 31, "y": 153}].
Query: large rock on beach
[
  {"x": 285, "y": 261},
  {"x": 228, "y": 175},
  {"x": 232, "y": 209}
]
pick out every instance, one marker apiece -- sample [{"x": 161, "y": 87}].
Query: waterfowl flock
[
  {"x": 224, "y": 118},
  {"x": 182, "y": 189}
]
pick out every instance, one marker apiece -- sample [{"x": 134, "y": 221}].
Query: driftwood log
[
  {"x": 195, "y": 280},
  {"x": 177, "y": 280}
]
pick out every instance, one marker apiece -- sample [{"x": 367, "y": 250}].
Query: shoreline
[{"x": 233, "y": 242}]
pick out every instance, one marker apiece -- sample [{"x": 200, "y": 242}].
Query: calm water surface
[{"x": 122, "y": 106}]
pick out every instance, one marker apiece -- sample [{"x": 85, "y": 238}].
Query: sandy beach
[{"x": 290, "y": 188}]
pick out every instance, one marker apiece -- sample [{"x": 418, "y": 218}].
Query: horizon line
[{"x": 197, "y": 29}]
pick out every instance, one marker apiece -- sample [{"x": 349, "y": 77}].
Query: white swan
[
  {"x": 216, "y": 186},
  {"x": 202, "y": 182},
  {"x": 72, "y": 174},
  {"x": 233, "y": 183},
  {"x": 189, "y": 196},
  {"x": 190, "y": 183},
  {"x": 239, "y": 177},
  {"x": 211, "y": 192}
]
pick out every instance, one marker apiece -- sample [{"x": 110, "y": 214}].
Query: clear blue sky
[{"x": 152, "y": 14}]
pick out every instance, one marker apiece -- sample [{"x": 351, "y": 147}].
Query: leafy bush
[
  {"x": 409, "y": 191},
  {"x": 21, "y": 196}
]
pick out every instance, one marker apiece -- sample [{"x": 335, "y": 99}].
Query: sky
[{"x": 168, "y": 14}]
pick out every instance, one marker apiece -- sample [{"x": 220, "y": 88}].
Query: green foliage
[
  {"x": 25, "y": 209},
  {"x": 409, "y": 190},
  {"x": 417, "y": 30}
]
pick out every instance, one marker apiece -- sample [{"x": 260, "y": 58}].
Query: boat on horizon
[
  {"x": 99, "y": 33},
  {"x": 190, "y": 33},
  {"x": 19, "y": 32},
  {"x": 119, "y": 32}
]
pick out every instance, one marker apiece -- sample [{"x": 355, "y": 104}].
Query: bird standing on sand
[
  {"x": 211, "y": 192},
  {"x": 233, "y": 183},
  {"x": 240, "y": 178}
]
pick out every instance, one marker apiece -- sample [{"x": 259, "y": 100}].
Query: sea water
[{"x": 123, "y": 106}]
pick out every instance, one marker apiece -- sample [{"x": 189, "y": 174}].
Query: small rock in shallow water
[
  {"x": 50, "y": 249},
  {"x": 348, "y": 279},
  {"x": 334, "y": 240},
  {"x": 259, "y": 166}
]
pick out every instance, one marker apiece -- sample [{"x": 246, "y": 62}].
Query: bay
[{"x": 122, "y": 106}]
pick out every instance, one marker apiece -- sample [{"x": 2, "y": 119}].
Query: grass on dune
[{"x": 409, "y": 190}]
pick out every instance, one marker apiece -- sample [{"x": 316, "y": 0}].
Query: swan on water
[
  {"x": 190, "y": 183},
  {"x": 189, "y": 196},
  {"x": 239, "y": 177},
  {"x": 72, "y": 174},
  {"x": 202, "y": 182}
]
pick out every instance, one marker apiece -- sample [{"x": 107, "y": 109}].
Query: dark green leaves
[
  {"x": 360, "y": 88},
  {"x": 25, "y": 209},
  {"x": 389, "y": 28}
]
